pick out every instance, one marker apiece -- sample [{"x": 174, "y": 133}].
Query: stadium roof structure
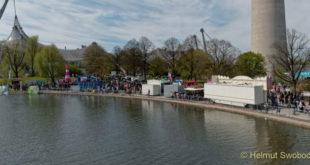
[{"x": 17, "y": 33}]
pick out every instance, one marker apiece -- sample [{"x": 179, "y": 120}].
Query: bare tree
[
  {"x": 131, "y": 61},
  {"x": 133, "y": 43},
  {"x": 146, "y": 46},
  {"x": 191, "y": 42},
  {"x": 290, "y": 59},
  {"x": 171, "y": 53},
  {"x": 223, "y": 55}
]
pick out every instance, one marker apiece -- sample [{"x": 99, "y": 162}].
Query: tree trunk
[
  {"x": 53, "y": 80},
  {"x": 295, "y": 88},
  {"x": 32, "y": 71},
  {"x": 16, "y": 74}
]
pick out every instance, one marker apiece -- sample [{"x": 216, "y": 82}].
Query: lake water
[{"x": 50, "y": 129}]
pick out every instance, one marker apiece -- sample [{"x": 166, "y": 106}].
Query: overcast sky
[{"x": 72, "y": 23}]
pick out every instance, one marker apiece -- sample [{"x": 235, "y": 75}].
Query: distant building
[{"x": 74, "y": 56}]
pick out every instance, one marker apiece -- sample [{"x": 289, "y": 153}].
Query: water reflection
[{"x": 94, "y": 130}]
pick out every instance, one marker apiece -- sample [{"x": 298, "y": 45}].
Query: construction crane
[
  {"x": 196, "y": 42},
  {"x": 204, "y": 39},
  {"x": 3, "y": 8},
  {"x": 212, "y": 41}
]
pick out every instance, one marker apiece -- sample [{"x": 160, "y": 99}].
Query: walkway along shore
[{"x": 293, "y": 120}]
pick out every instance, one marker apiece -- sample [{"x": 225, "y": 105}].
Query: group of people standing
[
  {"x": 119, "y": 84},
  {"x": 283, "y": 98}
]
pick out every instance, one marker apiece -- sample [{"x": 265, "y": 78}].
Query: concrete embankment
[{"x": 294, "y": 121}]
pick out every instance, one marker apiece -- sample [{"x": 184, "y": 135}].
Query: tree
[
  {"x": 50, "y": 63},
  {"x": 250, "y": 64},
  {"x": 158, "y": 67},
  {"x": 291, "y": 58},
  {"x": 223, "y": 55},
  {"x": 14, "y": 56},
  {"x": 193, "y": 65},
  {"x": 74, "y": 69},
  {"x": 304, "y": 85},
  {"x": 117, "y": 58},
  {"x": 191, "y": 42},
  {"x": 131, "y": 60},
  {"x": 32, "y": 50},
  {"x": 132, "y": 44},
  {"x": 171, "y": 53},
  {"x": 146, "y": 46},
  {"x": 97, "y": 61}
]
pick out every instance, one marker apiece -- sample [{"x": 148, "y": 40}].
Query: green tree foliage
[
  {"x": 132, "y": 61},
  {"x": 250, "y": 64},
  {"x": 32, "y": 49},
  {"x": 14, "y": 58},
  {"x": 4, "y": 68},
  {"x": 74, "y": 69},
  {"x": 158, "y": 67},
  {"x": 50, "y": 63},
  {"x": 194, "y": 65},
  {"x": 97, "y": 61}
]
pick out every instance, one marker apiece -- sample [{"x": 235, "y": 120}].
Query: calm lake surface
[{"x": 50, "y": 129}]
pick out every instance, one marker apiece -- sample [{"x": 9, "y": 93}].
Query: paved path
[{"x": 288, "y": 112}]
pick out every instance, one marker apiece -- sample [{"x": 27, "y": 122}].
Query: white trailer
[
  {"x": 154, "y": 82},
  {"x": 152, "y": 90},
  {"x": 238, "y": 95},
  {"x": 170, "y": 89}
]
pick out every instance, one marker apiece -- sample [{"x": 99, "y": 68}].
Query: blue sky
[{"x": 73, "y": 23}]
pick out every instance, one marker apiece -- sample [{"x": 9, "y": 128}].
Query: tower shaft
[{"x": 268, "y": 28}]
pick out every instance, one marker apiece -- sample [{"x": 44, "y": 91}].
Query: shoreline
[{"x": 293, "y": 121}]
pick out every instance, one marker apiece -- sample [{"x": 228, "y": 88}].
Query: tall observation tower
[{"x": 268, "y": 28}]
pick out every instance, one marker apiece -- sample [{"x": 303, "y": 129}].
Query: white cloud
[{"x": 72, "y": 23}]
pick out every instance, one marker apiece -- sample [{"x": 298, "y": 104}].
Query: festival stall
[
  {"x": 151, "y": 90},
  {"x": 169, "y": 90},
  {"x": 238, "y": 95}
]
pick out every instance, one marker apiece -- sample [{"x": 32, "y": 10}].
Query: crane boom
[
  {"x": 204, "y": 41},
  {"x": 3, "y": 8},
  {"x": 196, "y": 42}
]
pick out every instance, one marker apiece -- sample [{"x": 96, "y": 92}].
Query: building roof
[
  {"x": 17, "y": 33},
  {"x": 242, "y": 78},
  {"x": 73, "y": 55}
]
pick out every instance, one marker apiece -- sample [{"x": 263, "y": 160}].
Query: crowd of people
[
  {"x": 113, "y": 84},
  {"x": 279, "y": 97},
  {"x": 121, "y": 85}
]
